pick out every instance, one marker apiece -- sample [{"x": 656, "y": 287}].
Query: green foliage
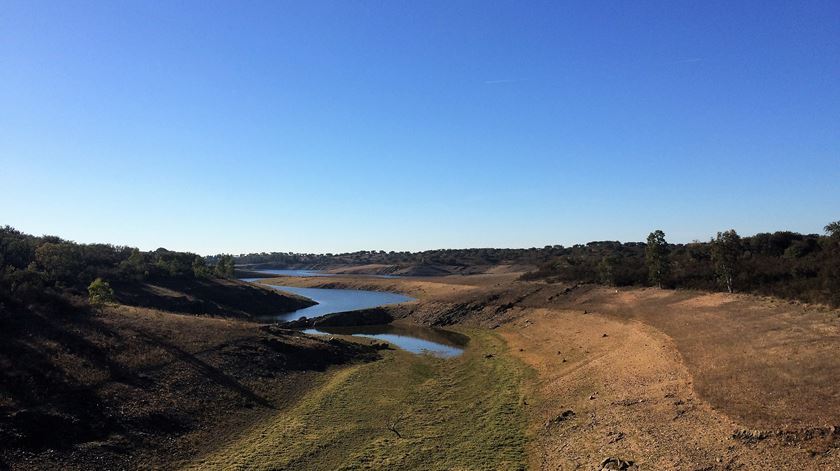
[
  {"x": 174, "y": 264},
  {"x": 784, "y": 264},
  {"x": 224, "y": 266},
  {"x": 830, "y": 272},
  {"x": 833, "y": 229},
  {"x": 726, "y": 255},
  {"x": 100, "y": 292},
  {"x": 136, "y": 266},
  {"x": 60, "y": 261},
  {"x": 43, "y": 268},
  {"x": 656, "y": 257},
  {"x": 606, "y": 270},
  {"x": 200, "y": 268}
]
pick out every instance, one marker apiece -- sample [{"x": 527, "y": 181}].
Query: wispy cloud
[
  {"x": 496, "y": 82},
  {"x": 687, "y": 61}
]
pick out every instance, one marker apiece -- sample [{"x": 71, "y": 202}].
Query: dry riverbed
[
  {"x": 663, "y": 379},
  {"x": 405, "y": 411}
]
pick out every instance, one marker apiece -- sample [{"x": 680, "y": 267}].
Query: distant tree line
[
  {"x": 448, "y": 257},
  {"x": 784, "y": 264},
  {"x": 34, "y": 267}
]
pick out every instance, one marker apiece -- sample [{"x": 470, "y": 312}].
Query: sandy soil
[{"x": 681, "y": 380}]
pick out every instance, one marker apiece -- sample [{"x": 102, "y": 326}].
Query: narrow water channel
[{"x": 415, "y": 339}]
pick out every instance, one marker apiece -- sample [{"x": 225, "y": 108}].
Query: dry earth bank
[
  {"x": 682, "y": 379},
  {"x": 128, "y": 387}
]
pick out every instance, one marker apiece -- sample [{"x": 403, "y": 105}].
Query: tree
[
  {"x": 656, "y": 256},
  {"x": 831, "y": 269},
  {"x": 61, "y": 261},
  {"x": 224, "y": 267},
  {"x": 135, "y": 266},
  {"x": 606, "y": 270},
  {"x": 833, "y": 229},
  {"x": 200, "y": 269},
  {"x": 726, "y": 254},
  {"x": 100, "y": 292}
]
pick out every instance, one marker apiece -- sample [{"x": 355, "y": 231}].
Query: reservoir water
[
  {"x": 285, "y": 272},
  {"x": 415, "y": 339},
  {"x": 337, "y": 300}
]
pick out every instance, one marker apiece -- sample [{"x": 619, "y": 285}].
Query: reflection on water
[
  {"x": 415, "y": 339},
  {"x": 295, "y": 272},
  {"x": 336, "y": 300},
  {"x": 288, "y": 272}
]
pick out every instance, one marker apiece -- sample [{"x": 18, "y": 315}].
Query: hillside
[
  {"x": 122, "y": 385},
  {"x": 669, "y": 379},
  {"x": 208, "y": 296}
]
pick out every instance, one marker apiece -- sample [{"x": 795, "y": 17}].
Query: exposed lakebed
[{"x": 415, "y": 339}]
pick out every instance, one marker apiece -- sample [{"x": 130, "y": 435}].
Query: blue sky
[{"x": 337, "y": 126}]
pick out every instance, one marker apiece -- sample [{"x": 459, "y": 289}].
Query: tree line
[
  {"x": 450, "y": 257},
  {"x": 33, "y": 268},
  {"x": 784, "y": 264}
]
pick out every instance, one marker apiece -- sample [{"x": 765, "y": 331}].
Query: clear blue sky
[{"x": 336, "y": 126}]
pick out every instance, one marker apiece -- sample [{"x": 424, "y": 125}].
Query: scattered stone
[
  {"x": 564, "y": 360},
  {"x": 750, "y": 436},
  {"x": 605, "y": 335},
  {"x": 615, "y": 436},
  {"x": 615, "y": 464},
  {"x": 628, "y": 402},
  {"x": 521, "y": 349},
  {"x": 593, "y": 396},
  {"x": 489, "y": 355},
  {"x": 567, "y": 414}
]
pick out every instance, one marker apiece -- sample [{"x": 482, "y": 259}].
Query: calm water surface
[
  {"x": 337, "y": 300},
  {"x": 295, "y": 272},
  {"x": 415, "y": 339},
  {"x": 287, "y": 272}
]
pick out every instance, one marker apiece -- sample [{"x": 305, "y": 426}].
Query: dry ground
[
  {"x": 682, "y": 380},
  {"x": 128, "y": 388}
]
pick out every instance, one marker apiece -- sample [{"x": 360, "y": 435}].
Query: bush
[{"x": 100, "y": 292}]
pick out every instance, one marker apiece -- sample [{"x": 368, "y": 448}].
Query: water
[
  {"x": 295, "y": 272},
  {"x": 336, "y": 300},
  {"x": 288, "y": 272},
  {"x": 415, "y": 339}
]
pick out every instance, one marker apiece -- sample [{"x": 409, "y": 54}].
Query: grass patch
[{"x": 459, "y": 413}]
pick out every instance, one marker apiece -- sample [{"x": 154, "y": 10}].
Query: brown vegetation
[
  {"x": 124, "y": 385},
  {"x": 667, "y": 379}
]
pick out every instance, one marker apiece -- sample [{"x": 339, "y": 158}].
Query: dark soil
[
  {"x": 133, "y": 387},
  {"x": 216, "y": 297}
]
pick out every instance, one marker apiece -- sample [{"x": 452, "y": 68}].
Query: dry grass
[{"x": 404, "y": 412}]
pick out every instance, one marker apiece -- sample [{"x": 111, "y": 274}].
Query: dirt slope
[
  {"x": 133, "y": 387},
  {"x": 215, "y": 297},
  {"x": 705, "y": 366}
]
